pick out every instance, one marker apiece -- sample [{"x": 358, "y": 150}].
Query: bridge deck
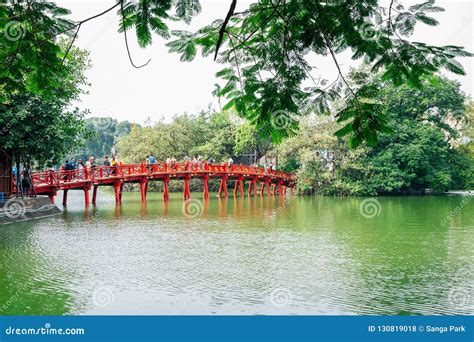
[{"x": 49, "y": 182}]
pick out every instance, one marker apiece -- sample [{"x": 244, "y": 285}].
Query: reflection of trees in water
[{"x": 32, "y": 281}]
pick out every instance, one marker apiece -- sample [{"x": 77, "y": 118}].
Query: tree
[
  {"x": 267, "y": 47},
  {"x": 104, "y": 132},
  {"x": 247, "y": 139},
  {"x": 264, "y": 49},
  {"x": 420, "y": 154},
  {"x": 210, "y": 135},
  {"x": 37, "y": 128}
]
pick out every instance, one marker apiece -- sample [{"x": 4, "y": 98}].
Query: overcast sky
[{"x": 167, "y": 86}]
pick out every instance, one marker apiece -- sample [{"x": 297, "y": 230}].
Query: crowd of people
[
  {"x": 24, "y": 181},
  {"x": 109, "y": 166}
]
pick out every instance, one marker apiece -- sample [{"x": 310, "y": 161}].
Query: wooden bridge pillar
[
  {"x": 239, "y": 187},
  {"x": 186, "y": 192},
  {"x": 166, "y": 195},
  {"x": 52, "y": 194},
  {"x": 65, "y": 197},
  {"x": 205, "y": 193},
  {"x": 94, "y": 194},
  {"x": 143, "y": 189},
  {"x": 280, "y": 187},
  {"x": 118, "y": 191},
  {"x": 223, "y": 186},
  {"x": 86, "y": 196},
  {"x": 274, "y": 189},
  {"x": 254, "y": 185}
]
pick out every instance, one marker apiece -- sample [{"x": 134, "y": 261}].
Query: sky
[{"x": 166, "y": 86}]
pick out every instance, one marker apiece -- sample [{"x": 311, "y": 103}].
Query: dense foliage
[
  {"x": 421, "y": 153},
  {"x": 208, "y": 134},
  {"x": 33, "y": 127},
  {"x": 265, "y": 50},
  {"x": 105, "y": 133},
  {"x": 270, "y": 81}
]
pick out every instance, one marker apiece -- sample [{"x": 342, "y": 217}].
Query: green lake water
[{"x": 302, "y": 255}]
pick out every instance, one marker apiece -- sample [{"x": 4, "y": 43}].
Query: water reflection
[{"x": 257, "y": 255}]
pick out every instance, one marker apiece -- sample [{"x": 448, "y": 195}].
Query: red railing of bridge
[{"x": 58, "y": 178}]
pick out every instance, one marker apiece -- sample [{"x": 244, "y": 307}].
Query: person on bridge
[
  {"x": 114, "y": 165},
  {"x": 230, "y": 161},
  {"x": 69, "y": 168},
  {"x": 107, "y": 165},
  {"x": 50, "y": 165},
  {"x": 25, "y": 184},
  {"x": 80, "y": 168},
  {"x": 152, "y": 161}
]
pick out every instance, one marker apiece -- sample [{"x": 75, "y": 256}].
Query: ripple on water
[{"x": 315, "y": 256}]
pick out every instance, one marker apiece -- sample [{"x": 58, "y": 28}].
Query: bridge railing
[{"x": 55, "y": 178}]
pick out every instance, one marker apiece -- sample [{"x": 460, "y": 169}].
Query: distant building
[{"x": 6, "y": 178}]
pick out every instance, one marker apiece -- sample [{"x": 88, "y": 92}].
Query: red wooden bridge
[{"x": 50, "y": 182}]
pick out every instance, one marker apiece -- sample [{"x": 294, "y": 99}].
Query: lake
[{"x": 294, "y": 255}]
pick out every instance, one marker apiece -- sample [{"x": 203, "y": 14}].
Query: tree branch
[
  {"x": 90, "y": 18},
  {"x": 224, "y": 25},
  {"x": 126, "y": 42},
  {"x": 70, "y": 45}
]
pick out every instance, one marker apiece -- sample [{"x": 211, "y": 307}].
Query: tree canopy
[
  {"x": 264, "y": 50},
  {"x": 421, "y": 153},
  {"x": 42, "y": 128}
]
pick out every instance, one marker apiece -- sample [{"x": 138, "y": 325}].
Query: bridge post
[
  {"x": 223, "y": 186},
  {"x": 86, "y": 196},
  {"x": 236, "y": 185},
  {"x": 143, "y": 189},
  {"x": 205, "y": 193},
  {"x": 65, "y": 197},
  {"x": 94, "y": 194},
  {"x": 186, "y": 192},
  {"x": 118, "y": 192},
  {"x": 239, "y": 186},
  {"x": 166, "y": 195},
  {"x": 254, "y": 185},
  {"x": 280, "y": 187},
  {"x": 51, "y": 195},
  {"x": 274, "y": 189}
]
